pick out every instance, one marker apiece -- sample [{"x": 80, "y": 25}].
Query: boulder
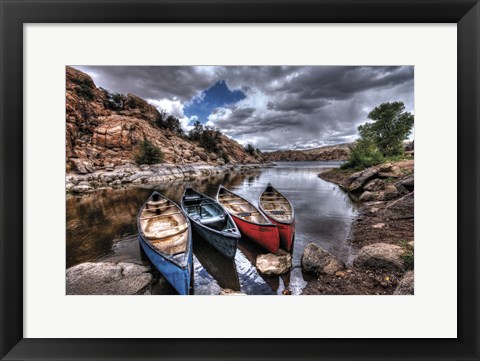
[
  {"x": 406, "y": 285},
  {"x": 368, "y": 196},
  {"x": 380, "y": 256},
  {"x": 318, "y": 261},
  {"x": 387, "y": 175},
  {"x": 82, "y": 166},
  {"x": 390, "y": 192},
  {"x": 274, "y": 264},
  {"x": 387, "y": 167},
  {"x": 362, "y": 178},
  {"x": 408, "y": 182},
  {"x": 374, "y": 185},
  {"x": 403, "y": 208},
  {"x": 107, "y": 278}
]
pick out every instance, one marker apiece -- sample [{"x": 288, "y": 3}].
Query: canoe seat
[
  {"x": 157, "y": 234},
  {"x": 192, "y": 198},
  {"x": 161, "y": 215},
  {"x": 246, "y": 214},
  {"x": 276, "y": 212},
  {"x": 152, "y": 204},
  {"x": 211, "y": 220}
]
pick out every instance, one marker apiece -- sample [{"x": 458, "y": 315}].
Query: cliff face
[
  {"x": 334, "y": 152},
  {"x": 103, "y": 131}
]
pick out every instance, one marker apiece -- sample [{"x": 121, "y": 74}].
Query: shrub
[
  {"x": 85, "y": 91},
  {"x": 249, "y": 149},
  {"x": 225, "y": 158},
  {"x": 362, "y": 155},
  {"x": 149, "y": 153},
  {"x": 115, "y": 101}
]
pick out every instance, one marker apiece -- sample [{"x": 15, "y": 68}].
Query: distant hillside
[
  {"x": 332, "y": 152},
  {"x": 105, "y": 129}
]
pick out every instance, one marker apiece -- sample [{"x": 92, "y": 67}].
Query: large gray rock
[
  {"x": 403, "y": 208},
  {"x": 380, "y": 256},
  {"x": 361, "y": 178},
  {"x": 318, "y": 261},
  {"x": 368, "y": 196},
  {"x": 409, "y": 182},
  {"x": 274, "y": 264},
  {"x": 374, "y": 185},
  {"x": 406, "y": 285},
  {"x": 107, "y": 278},
  {"x": 390, "y": 192}
]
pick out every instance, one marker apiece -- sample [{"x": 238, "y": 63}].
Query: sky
[{"x": 270, "y": 107}]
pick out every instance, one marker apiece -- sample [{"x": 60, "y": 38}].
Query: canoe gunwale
[
  {"x": 269, "y": 224},
  {"x": 268, "y": 215},
  {"x": 168, "y": 257}
]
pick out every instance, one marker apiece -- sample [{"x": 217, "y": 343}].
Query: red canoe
[
  {"x": 279, "y": 211},
  {"x": 251, "y": 222}
]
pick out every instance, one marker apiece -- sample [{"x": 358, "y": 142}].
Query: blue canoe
[
  {"x": 166, "y": 237},
  {"x": 211, "y": 221}
]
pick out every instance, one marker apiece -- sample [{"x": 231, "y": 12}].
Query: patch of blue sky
[{"x": 214, "y": 97}]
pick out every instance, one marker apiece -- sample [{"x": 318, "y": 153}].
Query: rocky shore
[
  {"x": 331, "y": 152},
  {"x": 133, "y": 175},
  {"x": 383, "y": 231}
]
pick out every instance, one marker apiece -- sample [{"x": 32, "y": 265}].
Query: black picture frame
[{"x": 14, "y": 14}]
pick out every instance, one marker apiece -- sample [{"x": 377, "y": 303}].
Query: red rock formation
[{"x": 102, "y": 131}]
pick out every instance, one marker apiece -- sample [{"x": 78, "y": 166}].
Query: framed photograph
[{"x": 157, "y": 150}]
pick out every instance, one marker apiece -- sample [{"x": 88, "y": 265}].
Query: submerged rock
[
  {"x": 406, "y": 285},
  {"x": 274, "y": 264},
  {"x": 108, "y": 278},
  {"x": 318, "y": 261},
  {"x": 380, "y": 256}
]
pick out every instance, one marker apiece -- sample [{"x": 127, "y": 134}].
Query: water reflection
[{"x": 103, "y": 224}]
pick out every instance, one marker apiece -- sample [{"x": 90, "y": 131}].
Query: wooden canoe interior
[
  {"x": 276, "y": 206},
  {"x": 164, "y": 226},
  {"x": 240, "y": 208}
]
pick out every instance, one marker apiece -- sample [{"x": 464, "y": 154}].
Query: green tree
[
  {"x": 173, "y": 124},
  {"x": 209, "y": 138},
  {"x": 196, "y": 131},
  {"x": 382, "y": 138},
  {"x": 149, "y": 153},
  {"x": 249, "y": 149},
  {"x": 391, "y": 126}
]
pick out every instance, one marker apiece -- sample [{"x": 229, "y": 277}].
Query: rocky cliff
[
  {"x": 104, "y": 130},
  {"x": 334, "y": 152}
]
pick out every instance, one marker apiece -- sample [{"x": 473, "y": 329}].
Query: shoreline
[
  {"x": 133, "y": 175},
  {"x": 383, "y": 232}
]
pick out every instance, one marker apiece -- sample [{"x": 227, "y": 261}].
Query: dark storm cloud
[
  {"x": 287, "y": 107},
  {"x": 153, "y": 82}
]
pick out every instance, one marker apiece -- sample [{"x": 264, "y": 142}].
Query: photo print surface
[{"x": 239, "y": 180}]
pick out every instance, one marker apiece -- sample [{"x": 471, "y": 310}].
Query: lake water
[{"x": 102, "y": 226}]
